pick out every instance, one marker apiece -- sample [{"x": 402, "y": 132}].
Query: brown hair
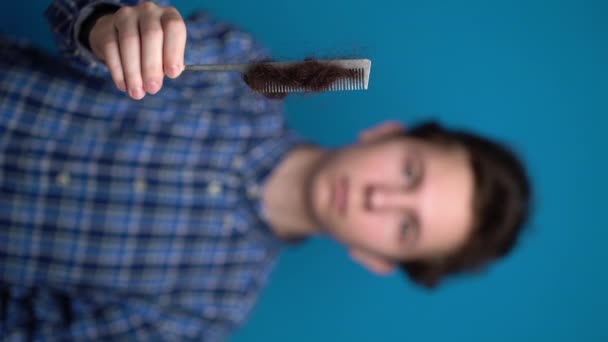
[
  {"x": 501, "y": 205},
  {"x": 311, "y": 75}
]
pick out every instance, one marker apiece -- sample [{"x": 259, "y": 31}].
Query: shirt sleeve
[
  {"x": 43, "y": 314},
  {"x": 66, "y": 17}
]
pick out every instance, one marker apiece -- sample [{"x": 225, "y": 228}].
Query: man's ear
[
  {"x": 372, "y": 262},
  {"x": 381, "y": 130}
]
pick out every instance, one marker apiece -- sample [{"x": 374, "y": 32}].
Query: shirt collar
[{"x": 259, "y": 161}]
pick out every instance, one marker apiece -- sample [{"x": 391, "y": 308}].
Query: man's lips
[{"x": 340, "y": 195}]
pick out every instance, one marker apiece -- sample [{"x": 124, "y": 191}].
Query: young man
[{"x": 160, "y": 219}]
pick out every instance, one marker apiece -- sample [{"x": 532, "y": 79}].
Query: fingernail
[
  {"x": 121, "y": 86},
  {"x": 174, "y": 70},
  {"x": 152, "y": 86},
  {"x": 136, "y": 92}
]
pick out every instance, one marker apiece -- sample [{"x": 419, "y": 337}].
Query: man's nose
[{"x": 380, "y": 197}]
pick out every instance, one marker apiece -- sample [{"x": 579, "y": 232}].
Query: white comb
[{"x": 360, "y": 67}]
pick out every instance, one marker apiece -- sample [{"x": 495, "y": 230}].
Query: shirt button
[
  {"x": 253, "y": 190},
  {"x": 214, "y": 189},
  {"x": 63, "y": 178},
  {"x": 140, "y": 185},
  {"x": 228, "y": 220},
  {"x": 257, "y": 152},
  {"x": 237, "y": 162}
]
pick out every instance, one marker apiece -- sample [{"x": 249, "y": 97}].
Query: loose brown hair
[
  {"x": 311, "y": 75},
  {"x": 501, "y": 205}
]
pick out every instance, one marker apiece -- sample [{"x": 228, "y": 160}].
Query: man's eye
[
  {"x": 410, "y": 174},
  {"x": 405, "y": 230},
  {"x": 408, "y": 230}
]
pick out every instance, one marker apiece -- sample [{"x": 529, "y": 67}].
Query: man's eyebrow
[
  {"x": 418, "y": 228},
  {"x": 419, "y": 166}
]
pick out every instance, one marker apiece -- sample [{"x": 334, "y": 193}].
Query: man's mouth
[{"x": 340, "y": 195}]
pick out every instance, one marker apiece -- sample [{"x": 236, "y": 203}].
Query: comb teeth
[{"x": 357, "y": 82}]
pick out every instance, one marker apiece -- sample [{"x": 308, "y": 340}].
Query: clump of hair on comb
[{"x": 310, "y": 75}]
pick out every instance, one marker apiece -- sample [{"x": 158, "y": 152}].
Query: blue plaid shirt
[{"x": 132, "y": 220}]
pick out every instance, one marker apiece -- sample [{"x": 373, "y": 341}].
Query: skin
[
  {"x": 406, "y": 200},
  {"x": 140, "y": 45}
]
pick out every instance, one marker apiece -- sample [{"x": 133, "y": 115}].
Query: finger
[
  {"x": 111, "y": 56},
  {"x": 151, "y": 33},
  {"x": 104, "y": 44},
  {"x": 130, "y": 54},
  {"x": 174, "y": 43}
]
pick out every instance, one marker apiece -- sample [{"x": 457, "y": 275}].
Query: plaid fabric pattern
[{"x": 132, "y": 220}]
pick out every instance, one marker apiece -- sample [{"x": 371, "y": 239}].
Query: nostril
[{"x": 368, "y": 192}]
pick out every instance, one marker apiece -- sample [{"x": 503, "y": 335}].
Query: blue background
[{"x": 531, "y": 73}]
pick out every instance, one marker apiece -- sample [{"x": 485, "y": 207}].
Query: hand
[{"x": 140, "y": 45}]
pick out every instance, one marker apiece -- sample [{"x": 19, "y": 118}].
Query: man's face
[{"x": 395, "y": 199}]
